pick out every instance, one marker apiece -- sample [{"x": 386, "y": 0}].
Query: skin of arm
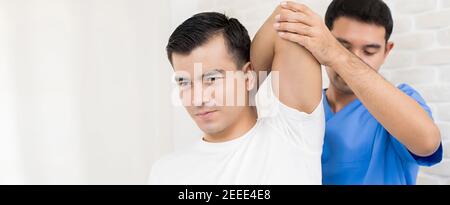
[
  {"x": 402, "y": 116},
  {"x": 300, "y": 78}
]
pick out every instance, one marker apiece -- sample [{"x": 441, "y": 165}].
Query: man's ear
[
  {"x": 389, "y": 47},
  {"x": 250, "y": 76}
]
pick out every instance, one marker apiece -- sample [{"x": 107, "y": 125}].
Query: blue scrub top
[{"x": 359, "y": 150}]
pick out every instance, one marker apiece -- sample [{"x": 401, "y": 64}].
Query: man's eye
[
  {"x": 369, "y": 53},
  {"x": 211, "y": 80},
  {"x": 183, "y": 83}
]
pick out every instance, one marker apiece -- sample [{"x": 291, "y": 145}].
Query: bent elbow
[{"x": 431, "y": 143}]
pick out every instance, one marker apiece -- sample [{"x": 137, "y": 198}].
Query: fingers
[
  {"x": 296, "y": 38},
  {"x": 296, "y": 23},
  {"x": 293, "y": 17},
  {"x": 296, "y": 7},
  {"x": 293, "y": 22},
  {"x": 297, "y": 28}
]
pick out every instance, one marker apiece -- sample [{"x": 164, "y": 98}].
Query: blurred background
[{"x": 86, "y": 90}]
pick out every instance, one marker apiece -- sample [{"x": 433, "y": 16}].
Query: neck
[
  {"x": 338, "y": 99},
  {"x": 242, "y": 125}
]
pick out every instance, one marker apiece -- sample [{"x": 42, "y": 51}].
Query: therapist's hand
[{"x": 299, "y": 24}]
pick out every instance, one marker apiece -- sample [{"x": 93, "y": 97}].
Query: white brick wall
[
  {"x": 412, "y": 6},
  {"x": 443, "y": 37},
  {"x": 433, "y": 20},
  {"x": 421, "y": 57}
]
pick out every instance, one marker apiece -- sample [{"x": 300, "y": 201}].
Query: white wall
[{"x": 84, "y": 90}]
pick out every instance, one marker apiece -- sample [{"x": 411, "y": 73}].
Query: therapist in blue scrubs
[{"x": 376, "y": 133}]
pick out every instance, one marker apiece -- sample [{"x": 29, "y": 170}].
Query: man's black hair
[
  {"x": 367, "y": 11},
  {"x": 200, "y": 28}
]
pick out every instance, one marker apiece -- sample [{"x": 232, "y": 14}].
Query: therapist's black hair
[
  {"x": 200, "y": 28},
  {"x": 367, "y": 11}
]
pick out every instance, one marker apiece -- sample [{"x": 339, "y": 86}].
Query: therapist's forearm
[{"x": 402, "y": 116}]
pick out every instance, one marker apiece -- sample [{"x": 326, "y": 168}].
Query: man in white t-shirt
[{"x": 277, "y": 142}]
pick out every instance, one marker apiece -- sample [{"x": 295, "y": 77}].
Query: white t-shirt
[{"x": 283, "y": 147}]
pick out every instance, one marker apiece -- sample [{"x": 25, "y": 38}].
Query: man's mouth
[{"x": 205, "y": 113}]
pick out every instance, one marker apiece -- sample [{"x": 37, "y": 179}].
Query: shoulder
[
  {"x": 409, "y": 90},
  {"x": 174, "y": 159},
  {"x": 167, "y": 166},
  {"x": 413, "y": 93}
]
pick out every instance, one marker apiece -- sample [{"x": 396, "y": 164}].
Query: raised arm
[{"x": 300, "y": 80}]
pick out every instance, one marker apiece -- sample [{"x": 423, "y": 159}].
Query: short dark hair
[
  {"x": 200, "y": 28},
  {"x": 367, "y": 11}
]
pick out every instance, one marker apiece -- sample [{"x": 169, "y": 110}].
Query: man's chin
[
  {"x": 209, "y": 129},
  {"x": 342, "y": 86}
]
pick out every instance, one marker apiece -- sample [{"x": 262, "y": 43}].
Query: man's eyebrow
[
  {"x": 213, "y": 72},
  {"x": 373, "y": 45},
  {"x": 376, "y": 46}
]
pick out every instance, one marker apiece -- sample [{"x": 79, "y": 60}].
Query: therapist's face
[
  {"x": 205, "y": 93},
  {"x": 367, "y": 41}
]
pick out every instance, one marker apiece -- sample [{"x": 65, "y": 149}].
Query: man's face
[
  {"x": 213, "y": 99},
  {"x": 367, "y": 41}
]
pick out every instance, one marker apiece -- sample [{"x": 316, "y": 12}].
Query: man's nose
[
  {"x": 201, "y": 96},
  {"x": 197, "y": 97}
]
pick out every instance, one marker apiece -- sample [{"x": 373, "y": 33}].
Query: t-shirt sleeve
[
  {"x": 299, "y": 128},
  {"x": 436, "y": 157}
]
